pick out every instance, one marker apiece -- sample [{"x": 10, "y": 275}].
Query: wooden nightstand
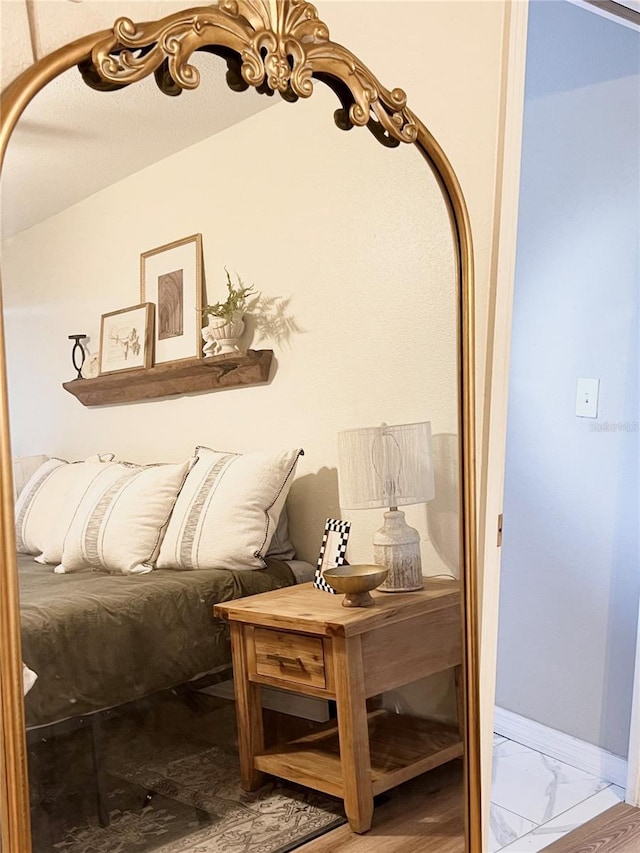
[{"x": 303, "y": 640}]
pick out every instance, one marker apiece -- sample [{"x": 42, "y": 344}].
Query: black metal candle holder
[{"x": 77, "y": 352}]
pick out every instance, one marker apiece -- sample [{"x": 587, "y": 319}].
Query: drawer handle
[{"x": 285, "y": 661}]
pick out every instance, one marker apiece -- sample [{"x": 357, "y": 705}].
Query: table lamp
[{"x": 389, "y": 466}]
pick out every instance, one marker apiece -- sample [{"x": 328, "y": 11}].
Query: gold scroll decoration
[{"x": 273, "y": 45}]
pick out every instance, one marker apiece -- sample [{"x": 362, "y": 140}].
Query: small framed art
[
  {"x": 171, "y": 278},
  {"x": 126, "y": 339},
  {"x": 332, "y": 551}
]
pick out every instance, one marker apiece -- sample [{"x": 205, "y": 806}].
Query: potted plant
[{"x": 226, "y": 326}]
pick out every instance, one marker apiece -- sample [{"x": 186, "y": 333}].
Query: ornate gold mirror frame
[{"x": 273, "y": 45}]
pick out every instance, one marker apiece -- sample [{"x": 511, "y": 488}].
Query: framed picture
[
  {"x": 126, "y": 339},
  {"x": 332, "y": 551},
  {"x": 171, "y": 278}
]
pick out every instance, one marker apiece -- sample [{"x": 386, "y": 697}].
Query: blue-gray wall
[{"x": 570, "y": 566}]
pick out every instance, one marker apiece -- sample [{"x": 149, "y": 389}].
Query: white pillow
[
  {"x": 33, "y": 509},
  {"x": 29, "y": 678},
  {"x": 47, "y": 502},
  {"x": 24, "y": 467},
  {"x": 228, "y": 510},
  {"x": 119, "y": 523}
]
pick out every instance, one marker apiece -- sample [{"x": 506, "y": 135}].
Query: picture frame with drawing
[
  {"x": 333, "y": 551},
  {"x": 126, "y": 339},
  {"x": 171, "y": 277}
]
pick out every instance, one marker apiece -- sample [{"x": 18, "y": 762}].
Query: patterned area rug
[{"x": 173, "y": 787}]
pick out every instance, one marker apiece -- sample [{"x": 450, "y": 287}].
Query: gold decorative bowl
[{"x": 355, "y": 582}]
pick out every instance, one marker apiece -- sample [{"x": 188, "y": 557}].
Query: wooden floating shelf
[{"x": 174, "y": 377}]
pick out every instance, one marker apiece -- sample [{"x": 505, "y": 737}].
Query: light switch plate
[{"x": 587, "y": 398}]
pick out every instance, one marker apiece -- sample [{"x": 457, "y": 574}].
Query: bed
[
  {"x": 120, "y": 566},
  {"x": 97, "y": 641}
]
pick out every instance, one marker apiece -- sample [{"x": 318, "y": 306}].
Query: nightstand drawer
[{"x": 289, "y": 657}]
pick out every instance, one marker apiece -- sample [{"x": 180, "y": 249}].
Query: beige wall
[
  {"x": 447, "y": 55},
  {"x": 452, "y": 60},
  {"x": 366, "y": 277}
]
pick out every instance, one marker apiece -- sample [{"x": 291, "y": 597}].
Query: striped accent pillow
[
  {"x": 24, "y": 467},
  {"x": 228, "y": 510},
  {"x": 47, "y": 502},
  {"x": 34, "y": 508},
  {"x": 119, "y": 523}
]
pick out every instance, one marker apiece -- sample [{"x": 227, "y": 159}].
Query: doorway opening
[{"x": 569, "y": 580}]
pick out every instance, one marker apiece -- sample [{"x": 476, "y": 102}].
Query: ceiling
[{"x": 71, "y": 141}]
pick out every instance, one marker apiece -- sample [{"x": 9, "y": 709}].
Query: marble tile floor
[{"x": 535, "y": 800}]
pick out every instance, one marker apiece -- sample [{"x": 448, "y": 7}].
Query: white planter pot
[{"x": 223, "y": 336}]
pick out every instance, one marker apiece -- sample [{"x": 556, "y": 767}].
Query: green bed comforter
[{"x": 97, "y": 641}]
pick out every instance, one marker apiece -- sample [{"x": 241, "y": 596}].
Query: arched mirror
[{"x": 119, "y": 723}]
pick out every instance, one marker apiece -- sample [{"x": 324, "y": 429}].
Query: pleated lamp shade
[
  {"x": 385, "y": 466},
  {"x": 389, "y": 466}
]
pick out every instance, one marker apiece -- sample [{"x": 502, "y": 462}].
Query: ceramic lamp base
[{"x": 397, "y": 547}]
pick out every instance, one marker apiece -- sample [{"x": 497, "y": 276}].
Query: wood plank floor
[
  {"x": 615, "y": 831},
  {"x": 422, "y": 815}
]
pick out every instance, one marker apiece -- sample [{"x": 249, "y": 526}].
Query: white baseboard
[{"x": 578, "y": 753}]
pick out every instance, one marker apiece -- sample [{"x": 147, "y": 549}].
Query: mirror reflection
[{"x": 144, "y": 514}]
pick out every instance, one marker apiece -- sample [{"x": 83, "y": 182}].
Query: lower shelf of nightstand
[{"x": 400, "y": 747}]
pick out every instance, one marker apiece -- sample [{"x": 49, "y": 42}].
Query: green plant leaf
[{"x": 236, "y": 300}]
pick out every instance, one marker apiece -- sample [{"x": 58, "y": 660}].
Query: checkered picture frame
[{"x": 337, "y": 555}]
